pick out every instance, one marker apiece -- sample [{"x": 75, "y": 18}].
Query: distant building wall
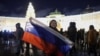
[{"x": 82, "y": 21}]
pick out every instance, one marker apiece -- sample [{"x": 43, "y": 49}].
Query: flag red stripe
[{"x": 39, "y": 43}]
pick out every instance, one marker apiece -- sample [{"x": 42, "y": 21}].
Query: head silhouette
[
  {"x": 18, "y": 25},
  {"x": 91, "y": 27}
]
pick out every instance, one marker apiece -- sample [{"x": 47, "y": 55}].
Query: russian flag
[{"x": 45, "y": 38}]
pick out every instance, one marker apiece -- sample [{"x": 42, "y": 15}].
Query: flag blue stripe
[{"x": 50, "y": 38}]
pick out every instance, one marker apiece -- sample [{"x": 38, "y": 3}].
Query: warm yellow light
[{"x": 30, "y": 11}]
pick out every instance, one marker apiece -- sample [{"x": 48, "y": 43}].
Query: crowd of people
[{"x": 79, "y": 37}]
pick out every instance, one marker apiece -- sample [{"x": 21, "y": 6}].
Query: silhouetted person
[
  {"x": 0, "y": 37},
  {"x": 19, "y": 35},
  {"x": 80, "y": 38},
  {"x": 80, "y": 35},
  {"x": 0, "y": 34},
  {"x": 92, "y": 40},
  {"x": 1, "y": 45},
  {"x": 65, "y": 34},
  {"x": 72, "y": 31},
  {"x": 5, "y": 35},
  {"x": 61, "y": 30},
  {"x": 72, "y": 34}
]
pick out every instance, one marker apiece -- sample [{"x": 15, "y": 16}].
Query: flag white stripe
[{"x": 66, "y": 40}]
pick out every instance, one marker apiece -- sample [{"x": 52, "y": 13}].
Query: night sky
[{"x": 44, "y": 7}]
